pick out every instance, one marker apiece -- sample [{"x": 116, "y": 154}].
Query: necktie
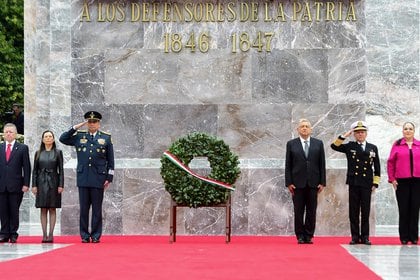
[
  {"x": 362, "y": 147},
  {"x": 306, "y": 148},
  {"x": 91, "y": 136},
  {"x": 8, "y": 151}
]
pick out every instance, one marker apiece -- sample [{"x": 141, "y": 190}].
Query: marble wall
[{"x": 330, "y": 71}]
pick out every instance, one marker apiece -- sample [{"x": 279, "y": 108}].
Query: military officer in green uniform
[
  {"x": 363, "y": 176},
  {"x": 95, "y": 170}
]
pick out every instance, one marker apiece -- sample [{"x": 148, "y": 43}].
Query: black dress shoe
[
  {"x": 301, "y": 240},
  {"x": 95, "y": 240},
  {"x": 404, "y": 242},
  {"x": 354, "y": 242},
  {"x": 13, "y": 239},
  {"x": 366, "y": 242},
  {"x": 4, "y": 239},
  {"x": 414, "y": 242},
  {"x": 308, "y": 240},
  {"x": 85, "y": 240}
]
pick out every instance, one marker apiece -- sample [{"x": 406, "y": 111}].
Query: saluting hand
[
  {"x": 348, "y": 133},
  {"x": 77, "y": 126}
]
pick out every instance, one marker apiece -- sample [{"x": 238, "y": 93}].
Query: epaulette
[{"x": 104, "y": 132}]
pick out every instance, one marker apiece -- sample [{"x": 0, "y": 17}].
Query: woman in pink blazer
[{"x": 404, "y": 174}]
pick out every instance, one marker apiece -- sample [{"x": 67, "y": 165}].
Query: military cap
[
  {"x": 93, "y": 115},
  {"x": 359, "y": 125}
]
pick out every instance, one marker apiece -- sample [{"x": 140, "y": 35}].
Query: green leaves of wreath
[{"x": 188, "y": 190}]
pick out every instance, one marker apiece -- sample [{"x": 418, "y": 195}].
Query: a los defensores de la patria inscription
[{"x": 188, "y": 12}]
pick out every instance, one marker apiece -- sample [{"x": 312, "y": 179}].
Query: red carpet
[{"x": 153, "y": 257}]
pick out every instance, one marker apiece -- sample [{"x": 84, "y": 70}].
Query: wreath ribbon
[{"x": 181, "y": 165}]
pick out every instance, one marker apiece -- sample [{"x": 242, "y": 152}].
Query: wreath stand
[{"x": 172, "y": 218}]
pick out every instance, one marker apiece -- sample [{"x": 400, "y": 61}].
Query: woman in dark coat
[{"x": 48, "y": 182}]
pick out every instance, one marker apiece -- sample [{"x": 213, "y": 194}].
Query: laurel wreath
[{"x": 187, "y": 190}]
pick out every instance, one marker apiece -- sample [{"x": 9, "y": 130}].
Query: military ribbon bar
[{"x": 181, "y": 165}]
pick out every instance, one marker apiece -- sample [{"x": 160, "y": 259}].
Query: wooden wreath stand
[{"x": 172, "y": 218}]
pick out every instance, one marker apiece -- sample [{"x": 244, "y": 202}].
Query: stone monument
[{"x": 244, "y": 71}]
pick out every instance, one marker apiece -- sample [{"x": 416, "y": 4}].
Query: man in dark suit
[
  {"x": 95, "y": 171},
  {"x": 363, "y": 176},
  {"x": 15, "y": 173},
  {"x": 305, "y": 178}
]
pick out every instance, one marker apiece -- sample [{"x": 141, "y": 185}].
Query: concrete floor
[{"x": 389, "y": 261}]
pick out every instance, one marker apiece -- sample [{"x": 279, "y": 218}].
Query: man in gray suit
[{"x": 305, "y": 178}]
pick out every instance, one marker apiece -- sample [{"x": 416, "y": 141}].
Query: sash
[{"x": 181, "y": 165}]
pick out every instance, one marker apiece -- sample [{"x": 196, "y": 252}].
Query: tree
[{"x": 11, "y": 56}]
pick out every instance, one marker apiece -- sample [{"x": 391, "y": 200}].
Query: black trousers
[
  {"x": 9, "y": 213},
  {"x": 90, "y": 197},
  {"x": 408, "y": 198},
  {"x": 305, "y": 201},
  {"x": 359, "y": 211}
]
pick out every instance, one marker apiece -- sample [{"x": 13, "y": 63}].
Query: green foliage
[
  {"x": 193, "y": 192},
  {"x": 11, "y": 56}
]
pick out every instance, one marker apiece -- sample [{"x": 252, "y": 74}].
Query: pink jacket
[{"x": 399, "y": 160}]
